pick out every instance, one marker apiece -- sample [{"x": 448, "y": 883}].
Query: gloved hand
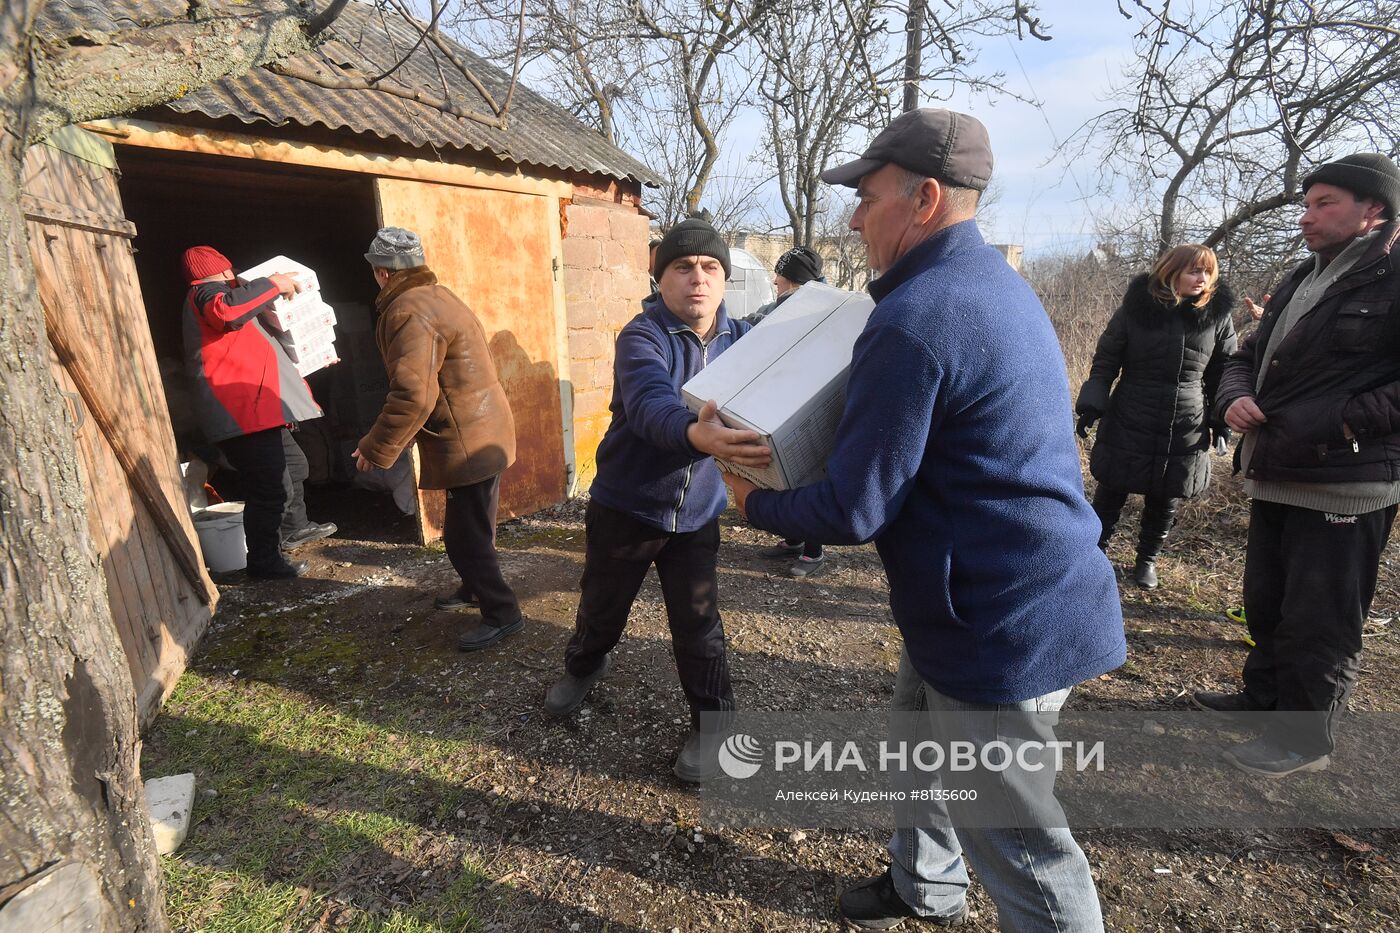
[
  {"x": 1086, "y": 421},
  {"x": 1221, "y": 441}
]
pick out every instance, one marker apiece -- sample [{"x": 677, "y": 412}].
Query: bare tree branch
[{"x": 1224, "y": 108}]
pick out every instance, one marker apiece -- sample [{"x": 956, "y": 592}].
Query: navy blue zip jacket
[
  {"x": 955, "y": 454},
  {"x": 646, "y": 466}
]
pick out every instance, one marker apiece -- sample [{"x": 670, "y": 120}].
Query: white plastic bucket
[{"x": 220, "y": 529}]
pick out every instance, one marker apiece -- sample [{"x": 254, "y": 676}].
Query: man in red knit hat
[{"x": 248, "y": 395}]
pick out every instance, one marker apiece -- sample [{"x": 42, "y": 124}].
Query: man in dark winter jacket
[
  {"x": 952, "y": 455},
  {"x": 658, "y": 494},
  {"x": 1316, "y": 388},
  {"x": 247, "y": 394}
]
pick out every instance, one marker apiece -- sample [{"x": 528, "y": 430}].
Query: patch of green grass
[
  {"x": 315, "y": 807},
  {"x": 323, "y": 651},
  {"x": 212, "y": 900}
]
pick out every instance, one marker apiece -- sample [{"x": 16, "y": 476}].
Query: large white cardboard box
[{"x": 786, "y": 379}]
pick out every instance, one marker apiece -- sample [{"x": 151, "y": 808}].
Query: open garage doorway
[{"x": 252, "y": 211}]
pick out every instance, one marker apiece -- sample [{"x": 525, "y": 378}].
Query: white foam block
[
  {"x": 287, "y": 313},
  {"x": 168, "y": 801},
  {"x": 308, "y": 343},
  {"x": 786, "y": 380},
  {"x": 327, "y": 357},
  {"x": 304, "y": 275}
]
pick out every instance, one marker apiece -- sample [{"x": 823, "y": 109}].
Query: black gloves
[{"x": 1086, "y": 421}]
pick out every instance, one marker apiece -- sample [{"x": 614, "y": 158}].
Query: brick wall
[{"x": 605, "y": 279}]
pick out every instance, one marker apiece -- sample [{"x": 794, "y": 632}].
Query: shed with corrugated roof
[{"x": 532, "y": 218}]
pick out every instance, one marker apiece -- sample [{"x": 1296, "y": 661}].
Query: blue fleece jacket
[
  {"x": 955, "y": 455},
  {"x": 646, "y": 466}
]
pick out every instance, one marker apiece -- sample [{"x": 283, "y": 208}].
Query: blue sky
[{"x": 1040, "y": 204}]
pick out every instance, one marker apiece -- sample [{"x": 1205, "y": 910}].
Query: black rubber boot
[
  {"x": 1108, "y": 505},
  {"x": 1158, "y": 517}
]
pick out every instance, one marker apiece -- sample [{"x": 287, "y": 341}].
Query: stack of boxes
[{"x": 303, "y": 323}]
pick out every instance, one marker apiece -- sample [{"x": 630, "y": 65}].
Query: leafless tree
[
  {"x": 668, "y": 79},
  {"x": 587, "y": 57},
  {"x": 836, "y": 72},
  {"x": 843, "y": 254},
  {"x": 664, "y": 79},
  {"x": 1227, "y": 106}
]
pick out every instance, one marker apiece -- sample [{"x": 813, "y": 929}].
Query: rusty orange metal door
[{"x": 497, "y": 251}]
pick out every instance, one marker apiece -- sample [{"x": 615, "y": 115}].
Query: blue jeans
[{"x": 1037, "y": 876}]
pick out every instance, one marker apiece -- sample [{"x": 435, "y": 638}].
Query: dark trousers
[
  {"x": 272, "y": 468},
  {"x": 620, "y": 550},
  {"x": 809, "y": 548},
  {"x": 469, "y": 534},
  {"x": 1158, "y": 517},
  {"x": 1308, "y": 581}
]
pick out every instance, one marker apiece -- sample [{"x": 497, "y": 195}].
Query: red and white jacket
[{"x": 243, "y": 379}]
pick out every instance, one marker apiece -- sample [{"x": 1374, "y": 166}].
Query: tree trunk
[
  {"x": 913, "y": 53},
  {"x": 73, "y": 806},
  {"x": 68, "y": 743}
]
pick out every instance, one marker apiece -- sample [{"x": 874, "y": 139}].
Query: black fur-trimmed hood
[{"x": 1149, "y": 311}]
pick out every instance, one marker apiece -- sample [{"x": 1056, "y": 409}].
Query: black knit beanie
[
  {"x": 691, "y": 237},
  {"x": 799, "y": 265},
  {"x": 1366, "y": 175}
]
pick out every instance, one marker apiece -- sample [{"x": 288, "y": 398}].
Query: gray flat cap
[
  {"x": 933, "y": 143},
  {"x": 396, "y": 248}
]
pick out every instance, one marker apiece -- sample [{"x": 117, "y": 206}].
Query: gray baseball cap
[
  {"x": 944, "y": 144},
  {"x": 396, "y": 248}
]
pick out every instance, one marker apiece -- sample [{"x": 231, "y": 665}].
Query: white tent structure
[{"x": 750, "y": 284}]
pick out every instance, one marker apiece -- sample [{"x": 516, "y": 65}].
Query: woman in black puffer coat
[{"x": 1165, "y": 346}]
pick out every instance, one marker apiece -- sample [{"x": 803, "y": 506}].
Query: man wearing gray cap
[
  {"x": 1316, "y": 393},
  {"x": 444, "y": 394},
  {"x": 954, "y": 455}
]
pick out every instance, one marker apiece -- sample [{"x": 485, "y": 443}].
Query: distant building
[{"x": 1014, "y": 253}]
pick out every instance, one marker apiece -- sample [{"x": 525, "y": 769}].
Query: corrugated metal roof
[{"x": 364, "y": 42}]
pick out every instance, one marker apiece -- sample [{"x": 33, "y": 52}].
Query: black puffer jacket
[{"x": 1154, "y": 438}]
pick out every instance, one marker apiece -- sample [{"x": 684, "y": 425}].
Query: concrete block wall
[{"x": 605, "y": 279}]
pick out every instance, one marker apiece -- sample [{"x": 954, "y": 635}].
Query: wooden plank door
[
  {"x": 104, "y": 362},
  {"x": 497, "y": 251}
]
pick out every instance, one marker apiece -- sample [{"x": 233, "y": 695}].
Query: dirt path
[{"x": 581, "y": 826}]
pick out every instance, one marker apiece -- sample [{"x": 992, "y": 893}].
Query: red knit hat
[{"x": 201, "y": 261}]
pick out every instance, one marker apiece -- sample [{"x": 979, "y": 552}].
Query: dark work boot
[
  {"x": 1145, "y": 573},
  {"x": 698, "y": 760},
  {"x": 568, "y": 692},
  {"x": 875, "y": 905},
  {"x": 1108, "y": 505},
  {"x": 281, "y": 569},
  {"x": 1158, "y": 517}
]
